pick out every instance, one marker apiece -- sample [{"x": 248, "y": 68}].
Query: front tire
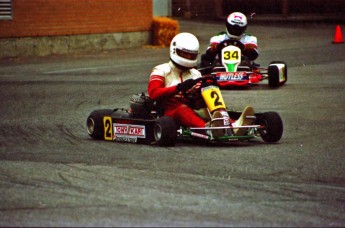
[
  {"x": 272, "y": 124},
  {"x": 165, "y": 131},
  {"x": 94, "y": 123},
  {"x": 275, "y": 76}
]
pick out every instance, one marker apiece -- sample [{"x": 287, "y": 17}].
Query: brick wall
[{"x": 70, "y": 17}]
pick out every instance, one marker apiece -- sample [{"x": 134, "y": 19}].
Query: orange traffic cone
[{"x": 338, "y": 37}]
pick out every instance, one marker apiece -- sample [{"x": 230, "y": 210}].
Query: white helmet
[
  {"x": 184, "y": 50},
  {"x": 236, "y": 24}
]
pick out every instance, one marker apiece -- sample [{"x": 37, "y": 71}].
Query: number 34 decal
[{"x": 231, "y": 55}]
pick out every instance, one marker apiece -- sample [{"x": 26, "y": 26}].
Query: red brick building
[
  {"x": 69, "y": 17},
  {"x": 121, "y": 21}
]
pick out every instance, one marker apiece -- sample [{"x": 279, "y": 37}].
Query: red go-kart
[{"x": 230, "y": 70}]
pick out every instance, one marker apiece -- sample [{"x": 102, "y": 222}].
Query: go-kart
[
  {"x": 231, "y": 68},
  {"x": 145, "y": 123}
]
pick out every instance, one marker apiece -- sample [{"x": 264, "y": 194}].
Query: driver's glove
[{"x": 186, "y": 85}]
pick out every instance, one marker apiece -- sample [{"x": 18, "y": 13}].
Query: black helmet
[{"x": 236, "y": 24}]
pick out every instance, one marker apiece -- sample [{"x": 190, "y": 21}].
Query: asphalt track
[{"x": 53, "y": 174}]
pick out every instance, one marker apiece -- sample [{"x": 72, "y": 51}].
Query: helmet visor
[
  {"x": 186, "y": 54},
  {"x": 235, "y": 29}
]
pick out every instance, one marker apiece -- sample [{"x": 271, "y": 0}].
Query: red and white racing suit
[
  {"x": 250, "y": 43},
  {"x": 162, "y": 88}
]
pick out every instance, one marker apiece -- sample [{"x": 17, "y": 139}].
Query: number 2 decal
[
  {"x": 108, "y": 130},
  {"x": 216, "y": 101},
  {"x": 213, "y": 98}
]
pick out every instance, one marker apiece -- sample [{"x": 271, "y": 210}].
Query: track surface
[{"x": 53, "y": 174}]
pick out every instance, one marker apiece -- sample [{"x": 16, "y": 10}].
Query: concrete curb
[{"x": 48, "y": 45}]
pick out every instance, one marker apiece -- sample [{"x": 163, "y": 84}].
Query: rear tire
[
  {"x": 273, "y": 126},
  {"x": 94, "y": 123},
  {"x": 165, "y": 131}
]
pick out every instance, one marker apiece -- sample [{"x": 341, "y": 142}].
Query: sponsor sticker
[
  {"x": 125, "y": 139},
  {"x": 128, "y": 132},
  {"x": 233, "y": 76},
  {"x": 226, "y": 118}
]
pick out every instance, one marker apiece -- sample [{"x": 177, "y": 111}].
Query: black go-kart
[{"x": 145, "y": 123}]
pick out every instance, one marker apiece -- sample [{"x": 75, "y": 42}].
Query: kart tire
[
  {"x": 273, "y": 74},
  {"x": 285, "y": 70},
  {"x": 165, "y": 131},
  {"x": 94, "y": 123},
  {"x": 273, "y": 126}
]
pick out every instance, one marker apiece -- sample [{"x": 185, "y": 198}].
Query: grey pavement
[{"x": 53, "y": 174}]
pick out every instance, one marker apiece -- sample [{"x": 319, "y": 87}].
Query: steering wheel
[
  {"x": 205, "y": 81},
  {"x": 228, "y": 42}
]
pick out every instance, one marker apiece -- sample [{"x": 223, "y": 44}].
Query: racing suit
[
  {"x": 249, "y": 52},
  {"x": 162, "y": 87}
]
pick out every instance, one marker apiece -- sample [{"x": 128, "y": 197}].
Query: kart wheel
[
  {"x": 165, "y": 131},
  {"x": 272, "y": 124},
  {"x": 94, "y": 123},
  {"x": 273, "y": 76},
  {"x": 277, "y": 73}
]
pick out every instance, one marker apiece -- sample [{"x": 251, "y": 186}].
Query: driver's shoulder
[
  {"x": 164, "y": 67},
  {"x": 219, "y": 37},
  {"x": 248, "y": 35},
  {"x": 195, "y": 73},
  {"x": 246, "y": 38}
]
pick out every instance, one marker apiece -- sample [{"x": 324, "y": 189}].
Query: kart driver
[
  {"x": 168, "y": 81},
  {"x": 236, "y": 25}
]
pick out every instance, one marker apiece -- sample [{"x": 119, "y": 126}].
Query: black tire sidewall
[
  {"x": 97, "y": 118},
  {"x": 168, "y": 131},
  {"x": 273, "y": 130}
]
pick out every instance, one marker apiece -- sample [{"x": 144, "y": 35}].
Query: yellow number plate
[
  {"x": 108, "y": 128},
  {"x": 213, "y": 98}
]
